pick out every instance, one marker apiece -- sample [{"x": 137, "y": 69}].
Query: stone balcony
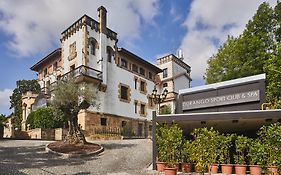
[{"x": 83, "y": 74}]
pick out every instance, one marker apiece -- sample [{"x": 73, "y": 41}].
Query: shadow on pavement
[
  {"x": 117, "y": 146},
  {"x": 13, "y": 159}
]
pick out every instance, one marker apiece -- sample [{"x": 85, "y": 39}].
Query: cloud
[
  {"x": 5, "y": 99},
  {"x": 174, "y": 14},
  {"x": 35, "y": 26},
  {"x": 208, "y": 25}
]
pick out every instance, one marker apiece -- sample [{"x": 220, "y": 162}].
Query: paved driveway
[{"x": 122, "y": 157}]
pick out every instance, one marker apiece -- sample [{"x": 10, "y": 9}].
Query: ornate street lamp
[{"x": 159, "y": 98}]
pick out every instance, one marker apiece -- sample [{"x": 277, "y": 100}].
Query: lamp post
[{"x": 159, "y": 98}]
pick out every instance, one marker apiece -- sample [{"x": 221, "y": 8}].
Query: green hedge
[{"x": 44, "y": 118}]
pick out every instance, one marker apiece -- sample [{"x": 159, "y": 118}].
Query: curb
[{"x": 64, "y": 155}]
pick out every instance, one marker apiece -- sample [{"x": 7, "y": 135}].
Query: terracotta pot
[
  {"x": 226, "y": 168},
  {"x": 171, "y": 171},
  {"x": 240, "y": 169},
  {"x": 272, "y": 170},
  {"x": 213, "y": 168},
  {"x": 160, "y": 166},
  {"x": 255, "y": 170},
  {"x": 177, "y": 166},
  {"x": 186, "y": 167}
]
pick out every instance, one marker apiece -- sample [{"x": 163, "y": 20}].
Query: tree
[
  {"x": 3, "y": 119},
  {"x": 165, "y": 109},
  {"x": 273, "y": 69},
  {"x": 70, "y": 98},
  {"x": 277, "y": 18},
  {"x": 44, "y": 118},
  {"x": 223, "y": 65},
  {"x": 257, "y": 50},
  {"x": 15, "y": 99},
  {"x": 246, "y": 54}
]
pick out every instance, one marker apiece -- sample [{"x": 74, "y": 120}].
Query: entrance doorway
[{"x": 140, "y": 129}]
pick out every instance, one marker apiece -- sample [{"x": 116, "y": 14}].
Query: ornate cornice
[{"x": 83, "y": 21}]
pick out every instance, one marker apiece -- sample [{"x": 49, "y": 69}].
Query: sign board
[{"x": 243, "y": 97}]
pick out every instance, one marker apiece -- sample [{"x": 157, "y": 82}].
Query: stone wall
[
  {"x": 1, "y": 131},
  {"x": 42, "y": 134},
  {"x": 8, "y": 129},
  {"x": 60, "y": 134},
  {"x": 91, "y": 123}
]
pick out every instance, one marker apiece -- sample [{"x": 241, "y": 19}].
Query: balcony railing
[
  {"x": 49, "y": 88},
  {"x": 82, "y": 71}
]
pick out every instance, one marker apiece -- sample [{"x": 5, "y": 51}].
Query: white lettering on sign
[{"x": 243, "y": 97}]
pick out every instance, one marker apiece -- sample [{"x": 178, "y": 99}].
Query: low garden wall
[
  {"x": 1, "y": 131},
  {"x": 47, "y": 134},
  {"x": 60, "y": 133},
  {"x": 40, "y": 133}
]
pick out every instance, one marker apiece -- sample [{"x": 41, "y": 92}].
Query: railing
[
  {"x": 126, "y": 132},
  {"x": 82, "y": 71},
  {"x": 48, "y": 89},
  {"x": 107, "y": 130}
]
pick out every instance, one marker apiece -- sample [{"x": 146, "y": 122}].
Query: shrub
[
  {"x": 270, "y": 136},
  {"x": 165, "y": 109},
  {"x": 161, "y": 134},
  {"x": 242, "y": 145},
  {"x": 204, "y": 148},
  {"x": 186, "y": 152},
  {"x": 43, "y": 118},
  {"x": 257, "y": 153},
  {"x": 127, "y": 130},
  {"x": 169, "y": 141},
  {"x": 225, "y": 144}
]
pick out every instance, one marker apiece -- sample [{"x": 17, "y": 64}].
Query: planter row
[
  {"x": 214, "y": 169},
  {"x": 207, "y": 146}
]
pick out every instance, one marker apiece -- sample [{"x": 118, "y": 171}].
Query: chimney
[
  {"x": 180, "y": 54},
  {"x": 102, "y": 19}
]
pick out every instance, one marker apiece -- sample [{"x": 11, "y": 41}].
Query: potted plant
[
  {"x": 173, "y": 144},
  {"x": 185, "y": 156},
  {"x": 161, "y": 133},
  {"x": 242, "y": 145},
  {"x": 256, "y": 157},
  {"x": 213, "y": 149},
  {"x": 200, "y": 148},
  {"x": 271, "y": 137},
  {"x": 224, "y": 153}
]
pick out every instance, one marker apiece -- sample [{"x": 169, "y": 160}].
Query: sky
[{"x": 30, "y": 29}]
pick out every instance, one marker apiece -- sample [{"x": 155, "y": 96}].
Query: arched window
[
  {"x": 93, "y": 44},
  {"x": 92, "y": 48},
  {"x": 110, "y": 53}
]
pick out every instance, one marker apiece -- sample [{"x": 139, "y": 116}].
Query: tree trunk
[{"x": 75, "y": 135}]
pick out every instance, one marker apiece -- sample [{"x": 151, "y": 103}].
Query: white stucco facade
[
  {"x": 175, "y": 76},
  {"x": 90, "y": 45}
]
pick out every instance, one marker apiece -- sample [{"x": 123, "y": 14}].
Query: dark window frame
[
  {"x": 150, "y": 75},
  {"x": 135, "y": 68},
  {"x": 123, "y": 123},
  {"x": 165, "y": 73},
  {"x": 136, "y": 107},
  {"x": 103, "y": 121},
  {"x": 55, "y": 66},
  {"x": 136, "y": 83},
  {"x": 93, "y": 47},
  {"x": 142, "y": 109},
  {"x": 142, "y": 86},
  {"x": 142, "y": 71},
  {"x": 124, "y": 92},
  {"x": 124, "y": 63}
]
